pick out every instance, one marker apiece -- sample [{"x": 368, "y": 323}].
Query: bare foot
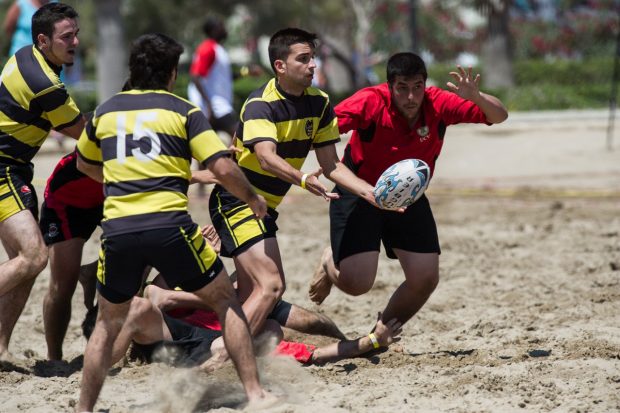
[
  {"x": 266, "y": 401},
  {"x": 321, "y": 285}
]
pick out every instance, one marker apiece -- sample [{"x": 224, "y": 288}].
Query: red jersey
[
  {"x": 382, "y": 136},
  {"x": 204, "y": 57},
  {"x": 68, "y": 186}
]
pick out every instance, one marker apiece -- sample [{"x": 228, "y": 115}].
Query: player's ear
[
  {"x": 43, "y": 40},
  {"x": 280, "y": 66}
]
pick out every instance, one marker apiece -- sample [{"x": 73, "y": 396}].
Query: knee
[
  {"x": 355, "y": 286},
  {"x": 35, "y": 261},
  {"x": 139, "y": 308},
  {"x": 272, "y": 291},
  {"x": 426, "y": 281}
]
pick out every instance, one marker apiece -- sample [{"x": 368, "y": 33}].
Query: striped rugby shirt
[
  {"x": 294, "y": 123},
  {"x": 145, "y": 140},
  {"x": 33, "y": 100}
]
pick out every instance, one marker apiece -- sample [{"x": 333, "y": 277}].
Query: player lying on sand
[{"x": 151, "y": 330}]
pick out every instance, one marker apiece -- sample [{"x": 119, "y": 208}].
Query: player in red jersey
[
  {"x": 71, "y": 210},
  {"x": 397, "y": 120}
]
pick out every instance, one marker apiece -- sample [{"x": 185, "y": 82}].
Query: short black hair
[
  {"x": 282, "y": 40},
  {"x": 210, "y": 26},
  {"x": 405, "y": 64},
  {"x": 152, "y": 60},
  {"x": 44, "y": 19}
]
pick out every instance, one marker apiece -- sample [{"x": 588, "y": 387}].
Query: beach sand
[{"x": 525, "y": 316}]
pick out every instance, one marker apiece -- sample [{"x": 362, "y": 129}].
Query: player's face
[
  {"x": 63, "y": 43},
  {"x": 408, "y": 94},
  {"x": 299, "y": 66}
]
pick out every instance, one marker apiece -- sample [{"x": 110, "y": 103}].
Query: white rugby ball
[{"x": 402, "y": 184}]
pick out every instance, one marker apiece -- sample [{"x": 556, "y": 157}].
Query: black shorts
[
  {"x": 65, "y": 222},
  {"x": 356, "y": 226},
  {"x": 226, "y": 123},
  {"x": 16, "y": 190},
  {"x": 236, "y": 224},
  {"x": 180, "y": 254},
  {"x": 190, "y": 345}
]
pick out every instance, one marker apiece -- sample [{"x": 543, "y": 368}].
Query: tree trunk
[
  {"x": 497, "y": 51},
  {"x": 111, "y": 50}
]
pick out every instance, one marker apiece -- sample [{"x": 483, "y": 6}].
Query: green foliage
[{"x": 549, "y": 85}]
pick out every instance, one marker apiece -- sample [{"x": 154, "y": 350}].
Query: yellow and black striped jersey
[
  {"x": 145, "y": 140},
  {"x": 33, "y": 100},
  {"x": 294, "y": 123}
]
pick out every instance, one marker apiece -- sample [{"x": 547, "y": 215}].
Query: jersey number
[{"x": 139, "y": 133}]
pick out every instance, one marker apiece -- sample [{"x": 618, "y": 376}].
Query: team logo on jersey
[
  {"x": 423, "y": 132},
  {"x": 52, "y": 230},
  {"x": 24, "y": 189},
  {"x": 309, "y": 127}
]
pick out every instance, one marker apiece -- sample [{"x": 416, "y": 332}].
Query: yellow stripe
[
  {"x": 13, "y": 190},
  {"x": 144, "y": 203},
  {"x": 101, "y": 264},
  {"x": 188, "y": 240},
  {"x": 220, "y": 210}
]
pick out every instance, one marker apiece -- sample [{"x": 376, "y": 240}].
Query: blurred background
[{"x": 533, "y": 54}]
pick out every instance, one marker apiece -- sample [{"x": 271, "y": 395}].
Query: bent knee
[
  {"x": 273, "y": 291},
  {"x": 34, "y": 262},
  {"x": 427, "y": 280}
]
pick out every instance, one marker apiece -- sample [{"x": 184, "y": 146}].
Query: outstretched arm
[
  {"x": 271, "y": 162},
  {"x": 337, "y": 172},
  {"x": 384, "y": 335},
  {"x": 468, "y": 87}
]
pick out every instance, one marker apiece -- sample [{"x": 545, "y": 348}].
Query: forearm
[
  {"x": 277, "y": 166},
  {"x": 232, "y": 178},
  {"x": 345, "y": 178},
  {"x": 493, "y": 108}
]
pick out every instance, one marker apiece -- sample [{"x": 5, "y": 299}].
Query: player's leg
[
  {"x": 421, "y": 279},
  {"x": 260, "y": 281},
  {"x": 305, "y": 321},
  {"x": 27, "y": 257},
  {"x": 98, "y": 356},
  {"x": 351, "y": 262},
  {"x": 412, "y": 238},
  {"x": 20, "y": 233},
  {"x": 186, "y": 260},
  {"x": 119, "y": 277},
  {"x": 65, "y": 260},
  {"x": 252, "y": 244},
  {"x": 88, "y": 280}
]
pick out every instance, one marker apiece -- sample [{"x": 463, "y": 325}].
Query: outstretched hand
[
  {"x": 314, "y": 186},
  {"x": 387, "y": 333},
  {"x": 466, "y": 86}
]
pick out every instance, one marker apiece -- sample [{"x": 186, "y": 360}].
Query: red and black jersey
[
  {"x": 382, "y": 136},
  {"x": 68, "y": 186}
]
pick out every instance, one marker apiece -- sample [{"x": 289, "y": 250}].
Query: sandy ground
[{"x": 525, "y": 317}]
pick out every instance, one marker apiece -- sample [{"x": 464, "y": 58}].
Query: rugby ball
[{"x": 402, "y": 184}]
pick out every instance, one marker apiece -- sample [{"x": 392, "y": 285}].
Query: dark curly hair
[{"x": 152, "y": 60}]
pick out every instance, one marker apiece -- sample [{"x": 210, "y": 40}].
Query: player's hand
[
  {"x": 387, "y": 333},
  {"x": 313, "y": 185},
  {"x": 258, "y": 205},
  {"x": 467, "y": 86}
]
